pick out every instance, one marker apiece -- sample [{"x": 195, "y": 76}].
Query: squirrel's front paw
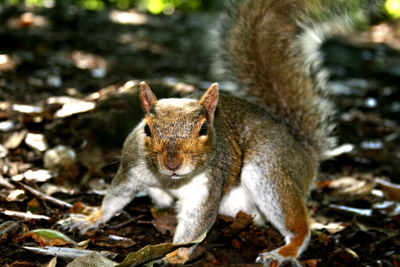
[
  {"x": 274, "y": 259},
  {"x": 82, "y": 222},
  {"x": 179, "y": 256}
]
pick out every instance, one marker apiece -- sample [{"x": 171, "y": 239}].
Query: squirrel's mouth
[{"x": 176, "y": 176}]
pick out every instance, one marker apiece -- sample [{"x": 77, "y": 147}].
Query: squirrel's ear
[
  {"x": 147, "y": 98},
  {"x": 210, "y": 101}
]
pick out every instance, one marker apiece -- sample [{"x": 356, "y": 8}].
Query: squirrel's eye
[
  {"x": 147, "y": 130},
  {"x": 203, "y": 129}
]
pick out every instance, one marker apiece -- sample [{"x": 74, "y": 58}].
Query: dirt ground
[{"x": 68, "y": 77}]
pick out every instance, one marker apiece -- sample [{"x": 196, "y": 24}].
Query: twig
[
  {"x": 68, "y": 253},
  {"x": 46, "y": 197},
  {"x": 5, "y": 183},
  {"x": 125, "y": 222},
  {"x": 24, "y": 215}
]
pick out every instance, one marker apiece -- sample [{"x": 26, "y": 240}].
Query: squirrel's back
[{"x": 272, "y": 49}]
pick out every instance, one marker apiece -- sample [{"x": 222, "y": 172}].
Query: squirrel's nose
[{"x": 173, "y": 161}]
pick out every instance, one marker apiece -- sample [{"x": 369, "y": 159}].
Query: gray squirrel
[{"x": 220, "y": 154}]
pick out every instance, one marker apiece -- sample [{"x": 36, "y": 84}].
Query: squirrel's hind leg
[{"x": 281, "y": 203}]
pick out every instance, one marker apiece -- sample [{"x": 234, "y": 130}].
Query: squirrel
[{"x": 259, "y": 153}]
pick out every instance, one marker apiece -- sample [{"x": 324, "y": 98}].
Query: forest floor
[{"x": 68, "y": 98}]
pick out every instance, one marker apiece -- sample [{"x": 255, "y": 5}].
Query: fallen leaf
[
  {"x": 70, "y": 109},
  {"x": 61, "y": 100},
  {"x": 242, "y": 220},
  {"x": 17, "y": 178},
  {"x": 3, "y": 151},
  {"x": 6, "y": 126},
  {"x": 34, "y": 206},
  {"x": 27, "y": 109},
  {"x": 38, "y": 175},
  {"x": 153, "y": 252},
  {"x": 148, "y": 253},
  {"x": 164, "y": 221},
  {"x": 15, "y": 139},
  {"x": 36, "y": 141},
  {"x": 48, "y": 237},
  {"x": 332, "y": 227},
  {"x": 16, "y": 195},
  {"x": 61, "y": 159},
  {"x": 93, "y": 260},
  {"x": 352, "y": 186},
  {"x": 50, "y": 189}
]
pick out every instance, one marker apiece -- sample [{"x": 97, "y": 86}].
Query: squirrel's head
[{"x": 178, "y": 133}]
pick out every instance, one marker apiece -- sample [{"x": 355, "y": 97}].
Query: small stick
[
  {"x": 24, "y": 215},
  {"x": 5, "y": 183},
  {"x": 46, "y": 197},
  {"x": 126, "y": 222}
]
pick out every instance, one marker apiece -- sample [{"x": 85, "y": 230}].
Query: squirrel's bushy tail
[{"x": 272, "y": 49}]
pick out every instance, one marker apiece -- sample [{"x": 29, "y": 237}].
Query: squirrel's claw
[
  {"x": 272, "y": 258},
  {"x": 79, "y": 222}
]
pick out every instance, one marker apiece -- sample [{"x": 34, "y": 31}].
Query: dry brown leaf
[
  {"x": 164, "y": 221},
  {"x": 48, "y": 237},
  {"x": 241, "y": 221},
  {"x": 34, "y": 206}
]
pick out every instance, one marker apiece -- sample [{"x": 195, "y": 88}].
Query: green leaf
[
  {"x": 153, "y": 252},
  {"x": 52, "y": 235}
]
